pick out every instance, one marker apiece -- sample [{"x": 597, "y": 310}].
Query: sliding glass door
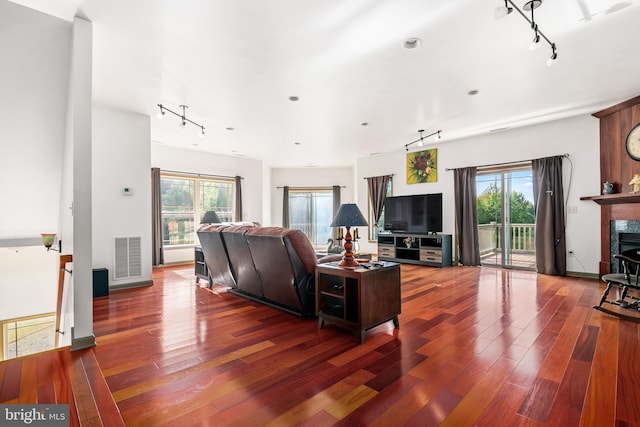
[{"x": 506, "y": 217}]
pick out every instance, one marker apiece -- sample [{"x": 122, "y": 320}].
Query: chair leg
[
  {"x": 622, "y": 302},
  {"x": 604, "y": 294}
]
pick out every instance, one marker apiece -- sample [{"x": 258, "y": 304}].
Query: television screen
[{"x": 421, "y": 213}]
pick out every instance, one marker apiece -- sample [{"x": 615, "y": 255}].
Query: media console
[{"x": 424, "y": 249}]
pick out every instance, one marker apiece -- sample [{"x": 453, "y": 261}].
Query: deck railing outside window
[{"x": 522, "y": 238}]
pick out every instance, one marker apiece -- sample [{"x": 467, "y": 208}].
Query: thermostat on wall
[{"x": 127, "y": 191}]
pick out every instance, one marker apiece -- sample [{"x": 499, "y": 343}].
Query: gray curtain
[
  {"x": 285, "y": 207},
  {"x": 466, "y": 216},
  {"x": 548, "y": 196},
  {"x": 156, "y": 218},
  {"x": 238, "y": 216},
  {"x": 377, "y": 191},
  {"x": 336, "y": 205}
]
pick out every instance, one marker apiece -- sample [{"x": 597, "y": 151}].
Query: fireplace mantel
[{"x": 614, "y": 199}]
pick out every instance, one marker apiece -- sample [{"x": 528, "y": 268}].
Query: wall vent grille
[{"x": 128, "y": 258}]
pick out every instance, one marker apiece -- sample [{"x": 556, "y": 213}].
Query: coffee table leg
[
  {"x": 396, "y": 322},
  {"x": 362, "y": 334},
  {"x": 320, "y": 322}
]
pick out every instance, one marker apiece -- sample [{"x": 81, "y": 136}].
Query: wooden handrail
[{"x": 64, "y": 259}]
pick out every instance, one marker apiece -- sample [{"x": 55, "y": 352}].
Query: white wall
[
  {"x": 34, "y": 78},
  {"x": 34, "y": 82},
  {"x": 309, "y": 177},
  {"x": 121, "y": 158},
  {"x": 191, "y": 161},
  {"x": 578, "y": 136}
]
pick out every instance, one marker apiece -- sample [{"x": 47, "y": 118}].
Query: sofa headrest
[
  {"x": 299, "y": 241},
  {"x": 212, "y": 227},
  {"x": 241, "y": 229}
]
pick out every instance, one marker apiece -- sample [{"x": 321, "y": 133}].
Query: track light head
[
  {"x": 534, "y": 42},
  {"x": 160, "y": 114},
  {"x": 438, "y": 136},
  {"x": 502, "y": 11},
  {"x": 532, "y": 4},
  {"x": 201, "y": 134},
  {"x": 553, "y": 56}
]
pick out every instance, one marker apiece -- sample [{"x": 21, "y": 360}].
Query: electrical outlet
[
  {"x": 572, "y": 209},
  {"x": 570, "y": 253}
]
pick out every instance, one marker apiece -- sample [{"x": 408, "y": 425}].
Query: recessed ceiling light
[
  {"x": 311, "y": 165},
  {"x": 230, "y": 128},
  {"x": 195, "y": 145},
  {"x": 411, "y": 43},
  {"x": 473, "y": 92},
  {"x": 297, "y": 143},
  {"x": 375, "y": 154},
  {"x": 364, "y": 124},
  {"x": 293, "y": 98}
]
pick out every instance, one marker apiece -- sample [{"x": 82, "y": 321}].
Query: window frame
[
  {"x": 310, "y": 190},
  {"x": 198, "y": 212}
]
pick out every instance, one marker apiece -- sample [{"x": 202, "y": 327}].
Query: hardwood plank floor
[{"x": 476, "y": 346}]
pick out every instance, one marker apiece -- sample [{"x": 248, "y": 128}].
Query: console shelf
[{"x": 424, "y": 249}]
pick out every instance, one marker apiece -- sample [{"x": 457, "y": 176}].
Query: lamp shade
[
  {"x": 48, "y": 239},
  {"x": 349, "y": 215},
  {"x": 210, "y": 217}
]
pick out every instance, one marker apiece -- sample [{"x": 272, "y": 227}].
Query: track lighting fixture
[
  {"x": 420, "y": 140},
  {"x": 529, "y": 6},
  {"x": 183, "y": 117}
]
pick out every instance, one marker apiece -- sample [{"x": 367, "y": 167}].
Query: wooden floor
[{"x": 476, "y": 346}]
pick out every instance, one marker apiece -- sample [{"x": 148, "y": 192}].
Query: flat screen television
[{"x": 419, "y": 213}]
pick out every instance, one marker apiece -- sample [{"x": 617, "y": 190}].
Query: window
[
  {"x": 311, "y": 211},
  {"x": 373, "y": 231},
  {"x": 185, "y": 200}
]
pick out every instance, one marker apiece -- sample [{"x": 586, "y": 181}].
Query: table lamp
[
  {"x": 210, "y": 217},
  {"x": 348, "y": 216}
]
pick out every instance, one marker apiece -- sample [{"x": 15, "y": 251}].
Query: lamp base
[{"x": 348, "y": 260}]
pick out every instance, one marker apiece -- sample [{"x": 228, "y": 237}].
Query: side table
[{"x": 358, "y": 298}]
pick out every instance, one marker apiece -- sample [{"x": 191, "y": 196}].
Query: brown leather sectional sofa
[{"x": 273, "y": 265}]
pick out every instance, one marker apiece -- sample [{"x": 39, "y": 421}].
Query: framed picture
[{"x": 422, "y": 166}]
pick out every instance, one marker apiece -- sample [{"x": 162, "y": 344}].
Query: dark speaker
[{"x": 100, "y": 282}]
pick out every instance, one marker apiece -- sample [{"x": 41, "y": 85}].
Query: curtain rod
[
  {"x": 367, "y": 177},
  {"x": 565, "y": 155},
  {"x": 311, "y": 188},
  {"x": 199, "y": 174}
]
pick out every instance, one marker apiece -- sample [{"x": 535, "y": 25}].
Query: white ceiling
[{"x": 236, "y": 63}]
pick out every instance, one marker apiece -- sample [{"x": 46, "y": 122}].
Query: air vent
[{"x": 128, "y": 258}]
